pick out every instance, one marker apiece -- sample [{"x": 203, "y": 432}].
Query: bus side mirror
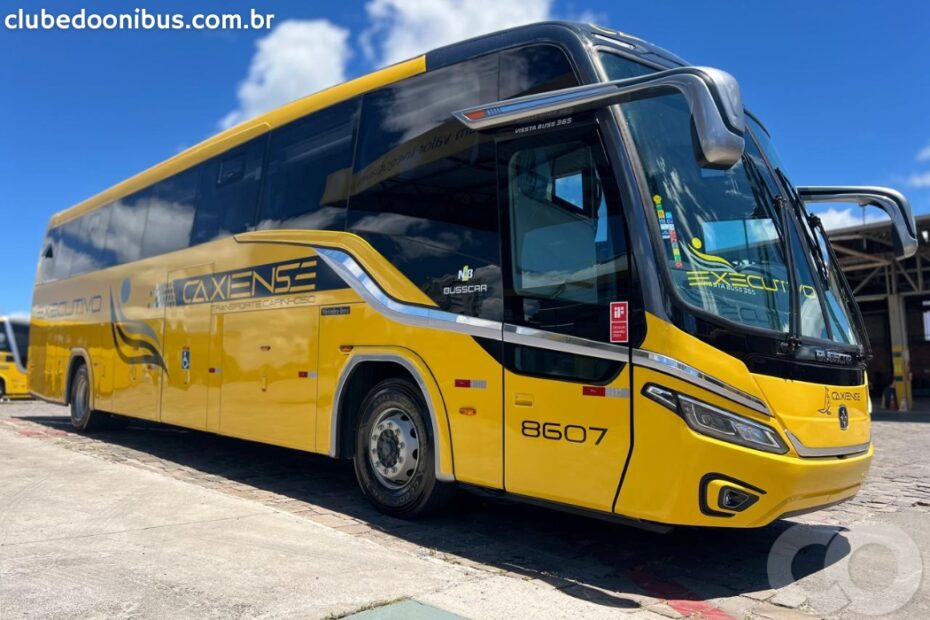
[
  {"x": 713, "y": 98},
  {"x": 890, "y": 201}
]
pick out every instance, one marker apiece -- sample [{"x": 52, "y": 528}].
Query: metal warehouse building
[{"x": 895, "y": 300}]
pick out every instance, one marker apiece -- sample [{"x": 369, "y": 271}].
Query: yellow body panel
[
  {"x": 14, "y": 380},
  {"x": 578, "y": 458}
]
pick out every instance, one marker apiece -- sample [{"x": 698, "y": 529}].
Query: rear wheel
[
  {"x": 83, "y": 417},
  {"x": 2, "y": 389},
  {"x": 395, "y": 452}
]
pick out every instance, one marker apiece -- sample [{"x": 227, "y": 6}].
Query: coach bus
[
  {"x": 555, "y": 262},
  {"x": 14, "y": 342}
]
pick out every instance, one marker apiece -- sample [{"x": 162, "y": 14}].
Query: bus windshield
[{"x": 726, "y": 233}]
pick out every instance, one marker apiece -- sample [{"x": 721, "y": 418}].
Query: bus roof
[{"x": 456, "y": 52}]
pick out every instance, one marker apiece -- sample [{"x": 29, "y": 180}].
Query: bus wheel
[
  {"x": 83, "y": 417},
  {"x": 394, "y": 452}
]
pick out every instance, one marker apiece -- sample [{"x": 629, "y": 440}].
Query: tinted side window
[
  {"x": 423, "y": 190},
  {"x": 309, "y": 166},
  {"x": 229, "y": 192},
  {"x": 47, "y": 258},
  {"x": 567, "y": 248},
  {"x": 535, "y": 69},
  {"x": 66, "y": 247},
  {"x": 126, "y": 226},
  {"x": 87, "y": 248},
  {"x": 171, "y": 213}
]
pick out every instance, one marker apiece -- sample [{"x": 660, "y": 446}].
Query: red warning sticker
[{"x": 619, "y": 321}]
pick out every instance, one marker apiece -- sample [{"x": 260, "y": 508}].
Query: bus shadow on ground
[{"x": 587, "y": 558}]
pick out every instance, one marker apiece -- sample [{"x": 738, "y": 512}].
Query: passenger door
[
  {"x": 566, "y": 385},
  {"x": 186, "y": 348}
]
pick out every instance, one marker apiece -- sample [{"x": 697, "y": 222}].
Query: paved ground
[{"x": 154, "y": 521}]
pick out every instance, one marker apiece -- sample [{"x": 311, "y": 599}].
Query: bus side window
[
  {"x": 125, "y": 228},
  {"x": 47, "y": 259},
  {"x": 229, "y": 187},
  {"x": 68, "y": 235},
  {"x": 89, "y": 252},
  {"x": 423, "y": 188},
  {"x": 308, "y": 172},
  {"x": 534, "y": 69},
  {"x": 171, "y": 213},
  {"x": 566, "y": 245}
]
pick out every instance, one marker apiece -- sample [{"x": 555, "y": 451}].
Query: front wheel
[{"x": 394, "y": 452}]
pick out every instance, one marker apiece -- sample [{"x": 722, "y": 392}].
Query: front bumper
[{"x": 675, "y": 477}]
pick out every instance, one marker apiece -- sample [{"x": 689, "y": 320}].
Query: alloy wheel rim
[{"x": 394, "y": 448}]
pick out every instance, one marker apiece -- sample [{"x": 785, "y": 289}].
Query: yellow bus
[
  {"x": 14, "y": 348},
  {"x": 555, "y": 262}
]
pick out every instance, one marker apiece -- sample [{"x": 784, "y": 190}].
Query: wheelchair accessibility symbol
[{"x": 185, "y": 358}]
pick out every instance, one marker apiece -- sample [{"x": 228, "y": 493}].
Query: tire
[
  {"x": 83, "y": 418},
  {"x": 2, "y": 389},
  {"x": 394, "y": 452}
]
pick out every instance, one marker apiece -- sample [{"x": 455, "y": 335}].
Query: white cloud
[
  {"x": 924, "y": 154},
  {"x": 402, "y": 29},
  {"x": 834, "y": 218},
  {"x": 297, "y": 58},
  {"x": 919, "y": 179}
]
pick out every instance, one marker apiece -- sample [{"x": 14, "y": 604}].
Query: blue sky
[{"x": 843, "y": 86}]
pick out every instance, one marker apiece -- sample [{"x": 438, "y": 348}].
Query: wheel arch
[{"x": 359, "y": 374}]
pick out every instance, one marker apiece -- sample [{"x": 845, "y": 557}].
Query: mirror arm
[
  {"x": 888, "y": 200},
  {"x": 712, "y": 95}
]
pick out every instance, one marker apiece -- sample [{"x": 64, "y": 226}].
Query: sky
[{"x": 843, "y": 86}]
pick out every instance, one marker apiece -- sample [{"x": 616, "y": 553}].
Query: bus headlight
[{"x": 714, "y": 422}]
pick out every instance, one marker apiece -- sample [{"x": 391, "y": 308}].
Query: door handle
[{"x": 523, "y": 400}]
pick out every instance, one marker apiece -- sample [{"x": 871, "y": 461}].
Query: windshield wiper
[
  {"x": 814, "y": 223},
  {"x": 792, "y": 340}
]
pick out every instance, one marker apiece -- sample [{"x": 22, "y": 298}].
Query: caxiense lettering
[{"x": 286, "y": 278}]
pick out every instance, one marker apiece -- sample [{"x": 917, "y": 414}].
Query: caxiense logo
[
  {"x": 284, "y": 278},
  {"x": 837, "y": 395}
]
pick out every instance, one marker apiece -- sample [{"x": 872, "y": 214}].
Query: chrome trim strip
[
  {"x": 349, "y": 270},
  {"x": 810, "y": 453},
  {"x": 673, "y": 367},
  {"x": 568, "y": 344},
  {"x": 408, "y": 314},
  {"x": 357, "y": 359}
]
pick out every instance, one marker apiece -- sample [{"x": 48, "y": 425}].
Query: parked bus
[
  {"x": 555, "y": 262},
  {"x": 14, "y": 343}
]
